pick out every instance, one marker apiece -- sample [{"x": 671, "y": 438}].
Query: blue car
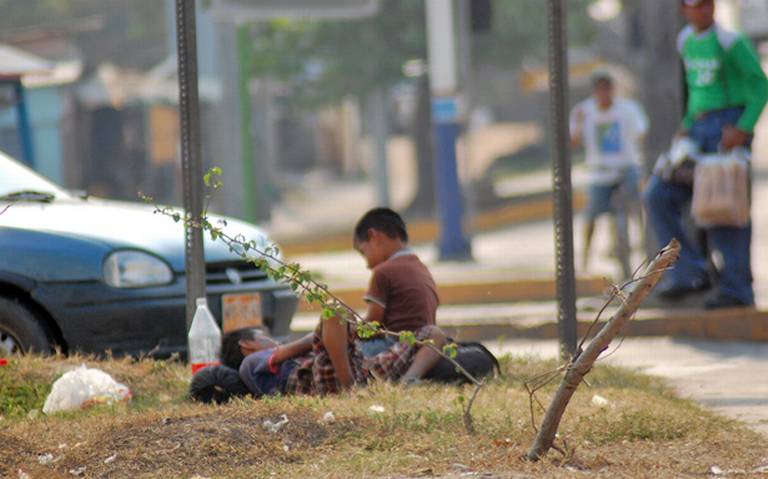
[{"x": 94, "y": 275}]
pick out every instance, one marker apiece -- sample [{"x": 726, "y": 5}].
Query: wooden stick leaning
[{"x": 583, "y": 363}]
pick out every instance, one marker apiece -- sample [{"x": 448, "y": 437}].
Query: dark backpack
[
  {"x": 217, "y": 384},
  {"x": 474, "y": 357}
]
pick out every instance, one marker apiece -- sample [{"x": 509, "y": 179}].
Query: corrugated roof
[{"x": 14, "y": 62}]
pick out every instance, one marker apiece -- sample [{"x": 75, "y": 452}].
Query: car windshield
[{"x": 19, "y": 181}]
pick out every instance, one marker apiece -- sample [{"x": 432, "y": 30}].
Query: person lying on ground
[{"x": 330, "y": 360}]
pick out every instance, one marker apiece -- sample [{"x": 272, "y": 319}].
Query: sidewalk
[{"x": 729, "y": 378}]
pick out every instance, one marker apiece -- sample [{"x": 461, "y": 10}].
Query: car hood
[{"x": 120, "y": 225}]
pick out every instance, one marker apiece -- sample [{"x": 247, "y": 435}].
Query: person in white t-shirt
[{"x": 611, "y": 130}]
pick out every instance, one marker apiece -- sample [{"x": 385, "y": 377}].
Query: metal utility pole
[
  {"x": 191, "y": 163},
  {"x": 445, "y": 116},
  {"x": 661, "y": 74},
  {"x": 561, "y": 176},
  {"x": 245, "y": 54}
]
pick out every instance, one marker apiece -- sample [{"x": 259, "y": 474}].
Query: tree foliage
[
  {"x": 326, "y": 60},
  {"x": 520, "y": 32}
]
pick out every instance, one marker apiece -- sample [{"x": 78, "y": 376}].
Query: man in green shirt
[{"x": 727, "y": 90}]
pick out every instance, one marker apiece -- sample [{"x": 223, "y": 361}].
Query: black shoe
[
  {"x": 678, "y": 290},
  {"x": 721, "y": 302}
]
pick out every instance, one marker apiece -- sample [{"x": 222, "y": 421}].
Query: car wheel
[{"x": 20, "y": 330}]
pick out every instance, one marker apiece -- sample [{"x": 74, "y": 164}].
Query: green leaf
[
  {"x": 367, "y": 330},
  {"x": 211, "y": 177},
  {"x": 408, "y": 337}
]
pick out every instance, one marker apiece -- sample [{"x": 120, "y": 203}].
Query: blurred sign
[
  {"x": 247, "y": 10},
  {"x": 753, "y": 16},
  {"x": 445, "y": 109}
]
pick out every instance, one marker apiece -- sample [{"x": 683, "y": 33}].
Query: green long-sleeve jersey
[{"x": 722, "y": 70}]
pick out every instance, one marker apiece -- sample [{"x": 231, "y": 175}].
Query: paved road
[{"x": 730, "y": 378}]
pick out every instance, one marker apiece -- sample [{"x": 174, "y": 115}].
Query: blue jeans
[
  {"x": 373, "y": 347},
  {"x": 601, "y": 197},
  {"x": 665, "y": 201}
]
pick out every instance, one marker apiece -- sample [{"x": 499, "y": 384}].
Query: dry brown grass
[{"x": 644, "y": 432}]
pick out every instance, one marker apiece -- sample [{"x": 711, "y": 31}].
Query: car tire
[{"x": 21, "y": 329}]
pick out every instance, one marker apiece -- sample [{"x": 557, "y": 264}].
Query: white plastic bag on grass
[{"x": 82, "y": 387}]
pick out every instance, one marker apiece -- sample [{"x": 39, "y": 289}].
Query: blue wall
[{"x": 45, "y": 109}]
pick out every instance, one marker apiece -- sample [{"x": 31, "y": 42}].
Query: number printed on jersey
[{"x": 703, "y": 71}]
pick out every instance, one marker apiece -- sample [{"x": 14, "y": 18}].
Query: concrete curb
[{"x": 724, "y": 325}]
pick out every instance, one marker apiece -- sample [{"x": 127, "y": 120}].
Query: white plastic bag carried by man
[
  {"x": 721, "y": 189},
  {"x": 83, "y": 387},
  {"x": 720, "y": 182}
]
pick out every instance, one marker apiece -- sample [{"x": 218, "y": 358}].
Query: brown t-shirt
[{"x": 404, "y": 287}]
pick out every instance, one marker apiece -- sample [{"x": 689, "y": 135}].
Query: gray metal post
[
  {"x": 661, "y": 74},
  {"x": 191, "y": 163},
  {"x": 561, "y": 177},
  {"x": 379, "y": 133}
]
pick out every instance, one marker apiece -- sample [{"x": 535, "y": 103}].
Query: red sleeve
[{"x": 378, "y": 289}]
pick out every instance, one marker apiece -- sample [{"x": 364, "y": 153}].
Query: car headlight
[{"x": 135, "y": 269}]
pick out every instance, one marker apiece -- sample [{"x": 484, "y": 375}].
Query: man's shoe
[
  {"x": 721, "y": 302},
  {"x": 678, "y": 290}
]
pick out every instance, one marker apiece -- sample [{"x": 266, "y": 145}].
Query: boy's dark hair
[
  {"x": 231, "y": 355},
  {"x": 600, "y": 77},
  {"x": 381, "y": 219}
]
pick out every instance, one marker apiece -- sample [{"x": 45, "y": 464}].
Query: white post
[{"x": 441, "y": 45}]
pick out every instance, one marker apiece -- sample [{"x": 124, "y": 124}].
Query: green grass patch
[{"x": 26, "y": 381}]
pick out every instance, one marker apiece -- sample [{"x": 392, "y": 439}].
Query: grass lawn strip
[{"x": 643, "y": 431}]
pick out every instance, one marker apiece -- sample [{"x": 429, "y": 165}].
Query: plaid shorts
[
  {"x": 391, "y": 364},
  {"x": 314, "y": 374}
]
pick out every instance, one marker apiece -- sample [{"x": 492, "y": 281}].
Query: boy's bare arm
[
  {"x": 375, "y": 313},
  {"x": 426, "y": 358},
  {"x": 293, "y": 349},
  {"x": 336, "y": 339}
]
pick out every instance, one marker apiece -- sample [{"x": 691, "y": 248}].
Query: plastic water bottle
[{"x": 204, "y": 338}]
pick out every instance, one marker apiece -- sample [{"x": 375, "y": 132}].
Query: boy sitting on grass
[{"x": 401, "y": 296}]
